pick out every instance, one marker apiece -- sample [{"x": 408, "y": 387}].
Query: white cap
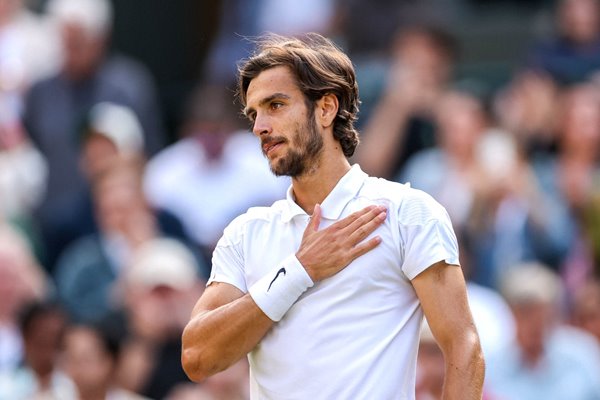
[
  {"x": 95, "y": 16},
  {"x": 531, "y": 283},
  {"x": 119, "y": 124},
  {"x": 163, "y": 262}
]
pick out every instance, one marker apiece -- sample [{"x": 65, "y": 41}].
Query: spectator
[
  {"x": 489, "y": 189},
  {"x": 401, "y": 123},
  {"x": 579, "y": 149},
  {"x": 529, "y": 107},
  {"x": 449, "y": 171},
  {"x": 572, "y": 54},
  {"x": 548, "y": 360},
  {"x": 214, "y": 172},
  {"x": 89, "y": 267},
  {"x": 430, "y": 367},
  {"x": 109, "y": 132},
  {"x": 571, "y": 176},
  {"x": 91, "y": 357},
  {"x": 159, "y": 290},
  {"x": 55, "y": 106},
  {"x": 513, "y": 219},
  {"x": 42, "y": 325}
]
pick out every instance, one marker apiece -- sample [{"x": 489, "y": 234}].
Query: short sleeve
[
  {"x": 426, "y": 233},
  {"x": 228, "y": 259}
]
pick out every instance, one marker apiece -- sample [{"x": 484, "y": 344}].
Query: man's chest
[{"x": 379, "y": 269}]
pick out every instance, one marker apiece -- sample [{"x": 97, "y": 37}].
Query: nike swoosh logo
[{"x": 281, "y": 271}]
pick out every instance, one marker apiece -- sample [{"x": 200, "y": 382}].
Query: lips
[{"x": 270, "y": 144}]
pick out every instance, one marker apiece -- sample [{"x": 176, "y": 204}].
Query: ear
[{"x": 327, "y": 108}]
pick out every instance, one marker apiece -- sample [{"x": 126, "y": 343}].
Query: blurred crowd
[{"x": 108, "y": 217}]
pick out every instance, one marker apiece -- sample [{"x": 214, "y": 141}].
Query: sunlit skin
[
  {"x": 304, "y": 143},
  {"x": 88, "y": 362},
  {"x": 280, "y": 118},
  {"x": 83, "y": 51}
]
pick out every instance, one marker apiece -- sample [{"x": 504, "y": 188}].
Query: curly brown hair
[{"x": 319, "y": 67}]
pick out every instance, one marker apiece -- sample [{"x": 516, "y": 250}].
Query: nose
[{"x": 261, "y": 126}]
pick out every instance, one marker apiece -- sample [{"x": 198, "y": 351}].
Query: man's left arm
[{"x": 442, "y": 292}]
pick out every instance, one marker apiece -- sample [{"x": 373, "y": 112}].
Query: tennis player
[{"x": 325, "y": 291}]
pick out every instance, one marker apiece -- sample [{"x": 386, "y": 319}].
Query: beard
[{"x": 307, "y": 145}]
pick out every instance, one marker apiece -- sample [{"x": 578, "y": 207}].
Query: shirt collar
[{"x": 335, "y": 202}]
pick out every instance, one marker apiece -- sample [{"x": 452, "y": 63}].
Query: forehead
[{"x": 273, "y": 80}]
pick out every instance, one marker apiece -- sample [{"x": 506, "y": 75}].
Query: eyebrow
[{"x": 266, "y": 100}]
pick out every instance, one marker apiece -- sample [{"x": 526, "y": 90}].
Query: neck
[{"x": 315, "y": 185}]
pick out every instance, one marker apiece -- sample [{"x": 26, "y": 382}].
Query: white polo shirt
[{"x": 355, "y": 334}]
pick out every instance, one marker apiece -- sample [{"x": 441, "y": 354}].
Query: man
[
  {"x": 55, "y": 108},
  {"x": 329, "y": 305}
]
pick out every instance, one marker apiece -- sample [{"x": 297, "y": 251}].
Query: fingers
[
  {"x": 315, "y": 219},
  {"x": 365, "y": 247},
  {"x": 343, "y": 223},
  {"x": 374, "y": 213},
  {"x": 352, "y": 229},
  {"x": 366, "y": 224},
  {"x": 314, "y": 222}
]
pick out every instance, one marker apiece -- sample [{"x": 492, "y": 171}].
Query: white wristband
[{"x": 279, "y": 289}]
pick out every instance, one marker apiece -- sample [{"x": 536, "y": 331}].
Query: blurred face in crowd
[
  {"x": 87, "y": 361},
  {"x": 117, "y": 195},
  {"x": 461, "y": 121},
  {"x": 579, "y": 20},
  {"x": 121, "y": 207},
  {"x": 581, "y": 119},
  {"x": 212, "y": 119},
  {"x": 417, "y": 51},
  {"x": 43, "y": 340},
  {"x": 212, "y": 136},
  {"x": 83, "y": 50},
  {"x": 281, "y": 120},
  {"x": 532, "y": 320}
]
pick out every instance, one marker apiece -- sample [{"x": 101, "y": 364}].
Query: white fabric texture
[{"x": 354, "y": 335}]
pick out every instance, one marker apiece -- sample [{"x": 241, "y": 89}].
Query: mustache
[{"x": 268, "y": 141}]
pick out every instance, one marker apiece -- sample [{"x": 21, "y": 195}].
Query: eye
[{"x": 276, "y": 105}]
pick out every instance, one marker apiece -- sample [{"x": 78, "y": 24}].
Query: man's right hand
[{"x": 323, "y": 253}]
